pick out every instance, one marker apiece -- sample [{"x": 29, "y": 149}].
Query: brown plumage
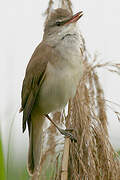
[{"x": 51, "y": 78}]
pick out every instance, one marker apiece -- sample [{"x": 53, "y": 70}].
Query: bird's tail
[{"x": 35, "y": 144}]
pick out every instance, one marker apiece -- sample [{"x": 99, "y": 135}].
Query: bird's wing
[{"x": 35, "y": 73}]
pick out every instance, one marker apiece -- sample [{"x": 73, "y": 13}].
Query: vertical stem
[{"x": 64, "y": 173}]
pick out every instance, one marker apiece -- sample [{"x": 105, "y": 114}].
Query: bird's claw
[
  {"x": 66, "y": 133},
  {"x": 69, "y": 129}
]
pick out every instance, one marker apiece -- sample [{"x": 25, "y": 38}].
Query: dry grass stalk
[
  {"x": 66, "y": 4},
  {"x": 100, "y": 102},
  {"x": 48, "y": 10},
  {"x": 64, "y": 173}
]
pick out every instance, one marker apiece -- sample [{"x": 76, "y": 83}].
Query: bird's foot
[{"x": 67, "y": 133}]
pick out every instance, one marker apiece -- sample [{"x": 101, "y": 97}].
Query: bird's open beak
[{"x": 74, "y": 18}]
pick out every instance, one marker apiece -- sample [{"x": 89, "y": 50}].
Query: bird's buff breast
[{"x": 58, "y": 87}]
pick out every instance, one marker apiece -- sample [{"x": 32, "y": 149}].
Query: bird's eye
[{"x": 58, "y": 23}]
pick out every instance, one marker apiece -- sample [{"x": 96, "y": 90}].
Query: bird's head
[{"x": 61, "y": 22}]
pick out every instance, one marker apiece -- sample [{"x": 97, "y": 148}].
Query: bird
[{"x": 51, "y": 78}]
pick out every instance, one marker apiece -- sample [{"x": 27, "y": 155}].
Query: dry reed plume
[{"x": 92, "y": 157}]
